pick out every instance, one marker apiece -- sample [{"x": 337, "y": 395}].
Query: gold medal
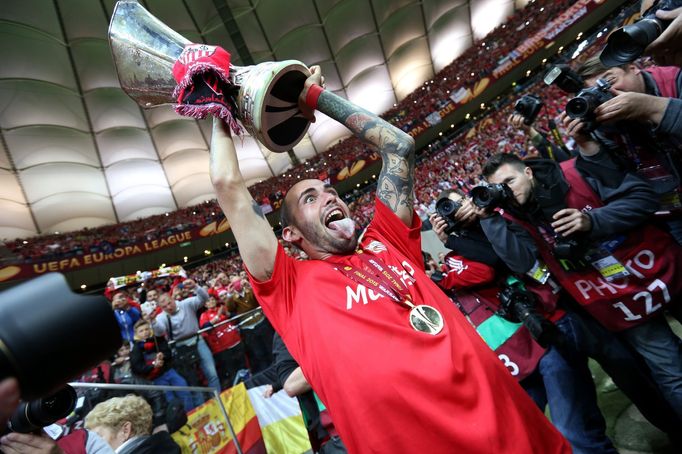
[{"x": 426, "y": 319}]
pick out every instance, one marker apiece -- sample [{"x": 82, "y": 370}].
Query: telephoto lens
[
  {"x": 628, "y": 43},
  {"x": 49, "y": 335},
  {"x": 33, "y": 415}
]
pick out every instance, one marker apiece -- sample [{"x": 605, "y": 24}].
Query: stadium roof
[{"x": 76, "y": 152}]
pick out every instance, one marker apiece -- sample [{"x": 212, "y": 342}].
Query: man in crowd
[
  {"x": 640, "y": 127},
  {"x": 589, "y": 222},
  {"x": 398, "y": 367},
  {"x": 256, "y": 331},
  {"x": 179, "y": 322},
  {"x": 650, "y": 95},
  {"x": 126, "y": 315}
]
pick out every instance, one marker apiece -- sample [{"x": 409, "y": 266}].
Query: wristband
[{"x": 314, "y": 92}]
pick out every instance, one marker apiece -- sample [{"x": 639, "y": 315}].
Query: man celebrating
[{"x": 397, "y": 366}]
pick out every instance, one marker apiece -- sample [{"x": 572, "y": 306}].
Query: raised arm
[
  {"x": 255, "y": 238},
  {"x": 396, "y": 180}
]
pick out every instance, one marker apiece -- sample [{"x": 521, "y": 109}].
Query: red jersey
[
  {"x": 221, "y": 338},
  {"x": 388, "y": 387}
]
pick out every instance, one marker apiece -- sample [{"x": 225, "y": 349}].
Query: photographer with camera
[
  {"x": 640, "y": 127},
  {"x": 526, "y": 111},
  {"x": 591, "y": 232},
  {"x": 519, "y": 330}
]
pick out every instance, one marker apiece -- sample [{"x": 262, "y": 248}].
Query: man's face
[
  {"x": 119, "y": 301},
  {"x": 167, "y": 304},
  {"x": 152, "y": 295},
  {"x": 314, "y": 208},
  {"x": 211, "y": 303},
  {"x": 222, "y": 279},
  {"x": 628, "y": 79},
  {"x": 520, "y": 181}
]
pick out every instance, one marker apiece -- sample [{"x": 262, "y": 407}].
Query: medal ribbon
[{"x": 378, "y": 276}]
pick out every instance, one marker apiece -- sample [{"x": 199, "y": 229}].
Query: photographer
[
  {"x": 640, "y": 128},
  {"x": 552, "y": 371},
  {"x": 650, "y": 96},
  {"x": 546, "y": 148},
  {"x": 589, "y": 224}
]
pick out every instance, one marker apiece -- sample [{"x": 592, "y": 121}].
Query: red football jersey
[{"x": 388, "y": 387}]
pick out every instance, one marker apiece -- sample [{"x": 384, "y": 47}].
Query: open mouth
[
  {"x": 332, "y": 217},
  {"x": 337, "y": 222}
]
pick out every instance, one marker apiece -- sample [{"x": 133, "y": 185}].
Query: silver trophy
[{"x": 145, "y": 50}]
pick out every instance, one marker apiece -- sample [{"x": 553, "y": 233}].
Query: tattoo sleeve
[{"x": 396, "y": 180}]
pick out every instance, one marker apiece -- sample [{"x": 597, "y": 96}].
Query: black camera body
[
  {"x": 518, "y": 305},
  {"x": 447, "y": 209},
  {"x": 528, "y": 106},
  {"x": 491, "y": 196},
  {"x": 568, "y": 248},
  {"x": 587, "y": 100},
  {"x": 628, "y": 43}
]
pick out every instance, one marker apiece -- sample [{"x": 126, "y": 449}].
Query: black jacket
[{"x": 628, "y": 202}]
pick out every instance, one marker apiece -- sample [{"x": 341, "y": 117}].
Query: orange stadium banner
[{"x": 541, "y": 39}]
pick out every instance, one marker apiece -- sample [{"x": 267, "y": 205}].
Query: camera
[
  {"x": 33, "y": 415},
  {"x": 447, "y": 209},
  {"x": 628, "y": 43},
  {"x": 491, "y": 196},
  {"x": 517, "y": 305},
  {"x": 528, "y": 106},
  {"x": 565, "y": 78},
  {"x": 569, "y": 248},
  {"x": 49, "y": 335},
  {"x": 588, "y": 99}
]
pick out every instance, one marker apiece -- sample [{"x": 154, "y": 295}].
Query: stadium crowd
[{"x": 336, "y": 161}]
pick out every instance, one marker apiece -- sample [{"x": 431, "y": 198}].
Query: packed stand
[{"x": 335, "y": 161}]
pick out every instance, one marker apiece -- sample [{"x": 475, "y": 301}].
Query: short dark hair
[
  {"x": 591, "y": 67},
  {"x": 284, "y": 213},
  {"x": 499, "y": 160}
]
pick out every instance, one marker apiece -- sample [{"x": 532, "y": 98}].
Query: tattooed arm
[
  {"x": 255, "y": 238},
  {"x": 396, "y": 179}
]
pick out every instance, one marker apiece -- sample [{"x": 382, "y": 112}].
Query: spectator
[
  {"x": 126, "y": 315},
  {"x": 180, "y": 323},
  {"x": 223, "y": 340},
  {"x": 125, "y": 423}
]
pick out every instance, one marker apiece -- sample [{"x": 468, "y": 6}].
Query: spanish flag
[{"x": 207, "y": 432}]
